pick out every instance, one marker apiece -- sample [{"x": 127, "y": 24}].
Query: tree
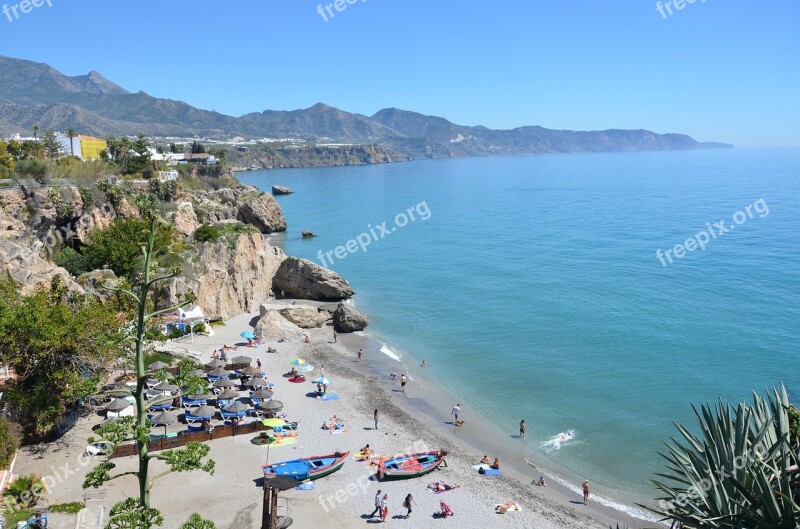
[
  {"x": 9, "y": 443},
  {"x": 71, "y": 136},
  {"x": 198, "y": 148},
  {"x": 58, "y": 344},
  {"x": 6, "y": 158},
  {"x": 741, "y": 471},
  {"x": 52, "y": 149},
  {"x": 119, "y": 245},
  {"x": 137, "y": 513},
  {"x": 36, "y": 131}
]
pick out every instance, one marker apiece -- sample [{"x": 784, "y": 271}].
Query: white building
[{"x": 168, "y": 176}]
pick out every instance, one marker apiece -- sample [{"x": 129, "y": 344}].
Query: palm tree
[
  {"x": 25, "y": 490},
  {"x": 71, "y": 136},
  {"x": 35, "y": 131},
  {"x": 740, "y": 471}
]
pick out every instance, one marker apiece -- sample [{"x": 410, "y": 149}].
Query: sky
[{"x": 718, "y": 70}]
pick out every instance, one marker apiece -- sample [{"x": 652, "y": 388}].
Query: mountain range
[{"x": 36, "y": 94}]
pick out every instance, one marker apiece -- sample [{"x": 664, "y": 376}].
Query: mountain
[{"x": 36, "y": 94}]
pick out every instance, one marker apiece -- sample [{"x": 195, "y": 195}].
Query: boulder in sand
[
  {"x": 273, "y": 326},
  {"x": 300, "y": 278},
  {"x": 349, "y": 319}
]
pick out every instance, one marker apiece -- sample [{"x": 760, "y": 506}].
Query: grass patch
[
  {"x": 158, "y": 357},
  {"x": 218, "y": 323},
  {"x": 14, "y": 516},
  {"x": 69, "y": 508}
]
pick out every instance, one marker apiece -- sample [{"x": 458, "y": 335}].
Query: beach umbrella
[
  {"x": 197, "y": 373},
  {"x": 119, "y": 393},
  {"x": 165, "y": 386},
  {"x": 261, "y": 394},
  {"x": 306, "y": 368},
  {"x": 322, "y": 380},
  {"x": 228, "y": 394},
  {"x": 272, "y": 405},
  {"x": 273, "y": 423},
  {"x": 298, "y": 362},
  {"x": 216, "y": 363},
  {"x": 199, "y": 396},
  {"x": 238, "y": 408},
  {"x": 219, "y": 372},
  {"x": 202, "y": 412},
  {"x": 257, "y": 382},
  {"x": 241, "y": 360},
  {"x": 164, "y": 418},
  {"x": 117, "y": 405},
  {"x": 225, "y": 383},
  {"x": 157, "y": 366},
  {"x": 250, "y": 371},
  {"x": 248, "y": 335}
]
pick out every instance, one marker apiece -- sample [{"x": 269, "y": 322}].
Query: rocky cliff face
[{"x": 228, "y": 278}]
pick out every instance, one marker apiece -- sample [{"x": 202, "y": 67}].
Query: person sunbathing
[
  {"x": 486, "y": 460},
  {"x": 441, "y": 486},
  {"x": 229, "y": 347},
  {"x": 508, "y": 506},
  {"x": 293, "y": 373},
  {"x": 496, "y": 464}
]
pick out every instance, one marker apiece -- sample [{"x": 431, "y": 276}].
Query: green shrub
[
  {"x": 25, "y": 491},
  {"x": 32, "y": 168},
  {"x": 9, "y": 443},
  {"x": 196, "y": 521},
  {"x": 119, "y": 246},
  {"x": 75, "y": 263},
  {"x": 207, "y": 233}
]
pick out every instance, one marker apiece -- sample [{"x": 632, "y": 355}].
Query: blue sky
[{"x": 717, "y": 70}]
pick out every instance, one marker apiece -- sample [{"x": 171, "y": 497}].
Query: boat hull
[
  {"x": 412, "y": 466},
  {"x": 305, "y": 469}
]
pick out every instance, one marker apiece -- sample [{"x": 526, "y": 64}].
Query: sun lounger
[{"x": 98, "y": 448}]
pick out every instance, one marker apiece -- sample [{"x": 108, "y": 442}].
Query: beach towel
[
  {"x": 282, "y": 442},
  {"x": 343, "y": 430},
  {"x": 481, "y": 466},
  {"x": 503, "y": 510},
  {"x": 490, "y": 473},
  {"x": 330, "y": 396},
  {"x": 308, "y": 485}
]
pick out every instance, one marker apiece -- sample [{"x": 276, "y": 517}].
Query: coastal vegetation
[
  {"x": 9, "y": 443},
  {"x": 740, "y": 470}
]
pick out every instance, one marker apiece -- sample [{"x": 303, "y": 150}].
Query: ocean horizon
[{"x": 598, "y": 294}]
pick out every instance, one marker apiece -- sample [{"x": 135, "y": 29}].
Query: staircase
[{"x": 93, "y": 515}]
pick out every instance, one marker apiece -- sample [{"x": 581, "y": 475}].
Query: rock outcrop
[
  {"x": 228, "y": 279},
  {"x": 264, "y": 213},
  {"x": 29, "y": 270},
  {"x": 273, "y": 326},
  {"x": 185, "y": 219},
  {"x": 347, "y": 318},
  {"x": 281, "y": 190},
  {"x": 94, "y": 283},
  {"x": 304, "y": 316},
  {"x": 300, "y": 278}
]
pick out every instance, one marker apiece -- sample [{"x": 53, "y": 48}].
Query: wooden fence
[{"x": 186, "y": 437}]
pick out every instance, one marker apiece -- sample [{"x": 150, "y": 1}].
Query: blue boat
[
  {"x": 411, "y": 465},
  {"x": 309, "y": 467}
]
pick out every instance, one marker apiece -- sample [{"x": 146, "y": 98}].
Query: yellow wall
[{"x": 90, "y": 149}]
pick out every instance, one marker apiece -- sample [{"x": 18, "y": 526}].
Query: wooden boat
[
  {"x": 308, "y": 467},
  {"x": 411, "y": 466}
]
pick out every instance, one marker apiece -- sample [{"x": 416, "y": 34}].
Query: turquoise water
[{"x": 533, "y": 289}]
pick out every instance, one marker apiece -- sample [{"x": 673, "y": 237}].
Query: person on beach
[
  {"x": 322, "y": 371},
  {"x": 407, "y": 504},
  {"x": 324, "y": 389},
  {"x": 403, "y": 382},
  {"x": 542, "y": 482},
  {"x": 308, "y": 339},
  {"x": 319, "y": 389},
  {"x": 258, "y": 363},
  {"x": 375, "y": 416},
  {"x": 335, "y": 336},
  {"x": 522, "y": 429},
  {"x": 384, "y": 507},
  {"x": 485, "y": 460},
  {"x": 360, "y": 354},
  {"x": 456, "y": 412},
  {"x": 315, "y": 353},
  {"x": 424, "y": 363},
  {"x": 392, "y": 376},
  {"x": 586, "y": 492},
  {"x": 496, "y": 464},
  {"x": 377, "y": 504}
]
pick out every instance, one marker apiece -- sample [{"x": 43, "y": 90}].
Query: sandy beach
[{"x": 408, "y": 422}]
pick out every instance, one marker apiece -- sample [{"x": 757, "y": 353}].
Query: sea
[{"x": 599, "y": 296}]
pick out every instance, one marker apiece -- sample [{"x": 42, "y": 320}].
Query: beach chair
[{"x": 98, "y": 448}]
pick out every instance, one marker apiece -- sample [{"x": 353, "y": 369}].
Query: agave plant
[{"x": 739, "y": 472}]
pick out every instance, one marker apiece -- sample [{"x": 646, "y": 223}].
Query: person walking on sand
[
  {"x": 375, "y": 416},
  {"x": 335, "y": 336},
  {"x": 377, "y": 504},
  {"x": 522, "y": 429},
  {"x": 258, "y": 363},
  {"x": 407, "y": 504},
  {"x": 384, "y": 507},
  {"x": 403, "y": 382},
  {"x": 586, "y": 492},
  {"x": 360, "y": 354},
  {"x": 456, "y": 412}
]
